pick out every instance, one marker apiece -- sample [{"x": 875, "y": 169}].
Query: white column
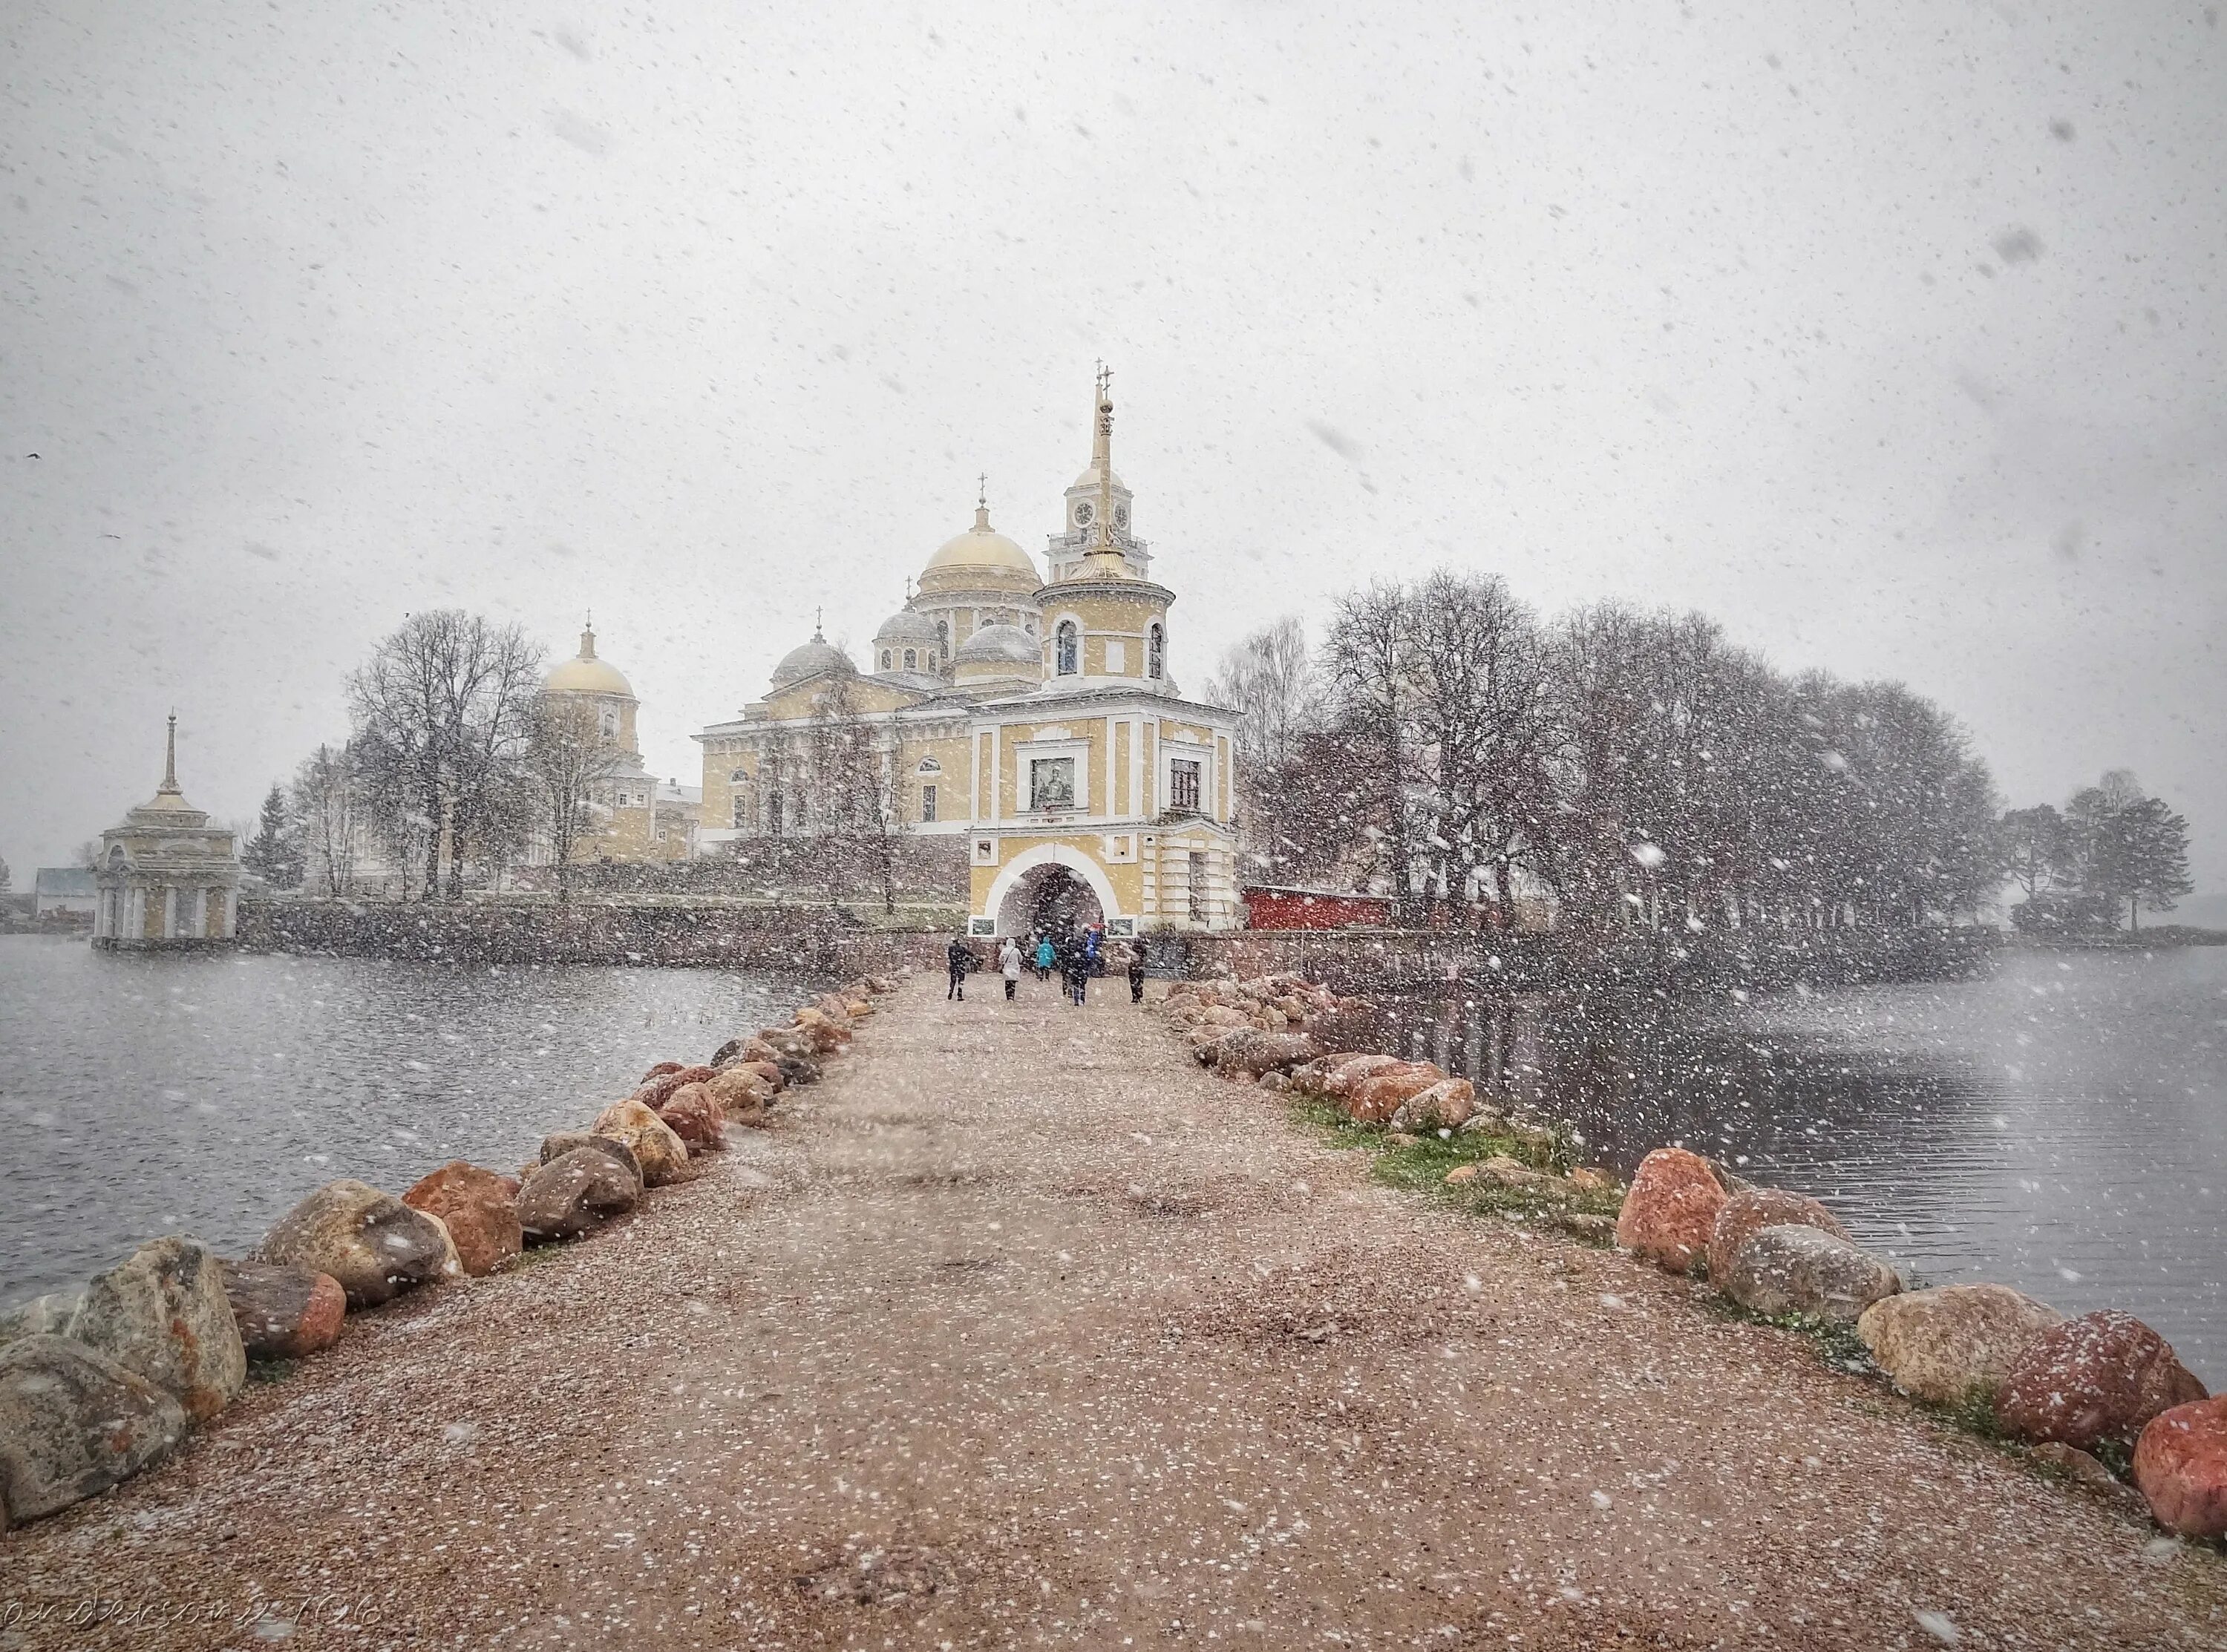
[{"x": 169, "y": 910}]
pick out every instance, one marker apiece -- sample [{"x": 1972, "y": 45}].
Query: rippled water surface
[
  {"x": 2060, "y": 1125},
  {"x": 145, "y": 1095}
]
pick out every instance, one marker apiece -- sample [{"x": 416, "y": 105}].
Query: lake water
[
  {"x": 2060, "y": 1125},
  {"x": 144, "y": 1094}
]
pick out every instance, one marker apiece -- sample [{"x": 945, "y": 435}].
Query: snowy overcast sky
[{"x": 1887, "y": 334}]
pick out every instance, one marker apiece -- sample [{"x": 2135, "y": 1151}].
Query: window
[
  {"x": 1068, "y": 649},
  {"x": 912, "y": 658},
  {"x": 738, "y": 776},
  {"x": 1197, "y": 884},
  {"x": 741, "y": 811},
  {"x": 773, "y": 814},
  {"x": 1182, "y": 785},
  {"x": 1051, "y": 782},
  {"x": 885, "y": 659},
  {"x": 610, "y": 724},
  {"x": 1156, "y": 651},
  {"x": 928, "y": 803},
  {"x": 943, "y": 638}
]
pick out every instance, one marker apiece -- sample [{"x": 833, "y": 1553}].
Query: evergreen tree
[{"x": 274, "y": 854}]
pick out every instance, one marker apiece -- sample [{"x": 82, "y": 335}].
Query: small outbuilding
[
  {"x": 62, "y": 893},
  {"x": 167, "y": 878}
]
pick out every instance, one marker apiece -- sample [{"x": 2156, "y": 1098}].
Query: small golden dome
[
  {"x": 983, "y": 546},
  {"x": 585, "y": 674}
]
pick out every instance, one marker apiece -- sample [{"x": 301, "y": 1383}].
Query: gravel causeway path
[{"x": 1020, "y": 1330}]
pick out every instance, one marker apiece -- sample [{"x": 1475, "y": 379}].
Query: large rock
[
  {"x": 73, "y": 1423},
  {"x": 825, "y": 1036},
  {"x": 576, "y": 1193},
  {"x": 374, "y": 1244},
  {"x": 1671, "y": 1209},
  {"x": 162, "y": 1312},
  {"x": 1502, "y": 1171},
  {"x": 693, "y": 1116},
  {"x": 284, "y": 1313},
  {"x": 1246, "y": 1053},
  {"x": 1954, "y": 1342},
  {"x": 555, "y": 1147},
  {"x": 1376, "y": 1098},
  {"x": 1445, "y": 1105},
  {"x": 661, "y": 1154},
  {"x": 480, "y": 1209},
  {"x": 1794, "y": 1269},
  {"x": 741, "y": 1094},
  {"x": 2180, "y": 1466},
  {"x": 657, "y": 1091},
  {"x": 1752, "y": 1209},
  {"x": 51, "y": 1315},
  {"x": 743, "y": 1049},
  {"x": 1343, "y": 1077},
  {"x": 2101, "y": 1376}
]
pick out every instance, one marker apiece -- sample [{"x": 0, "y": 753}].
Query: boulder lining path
[{"x": 1020, "y": 1328}]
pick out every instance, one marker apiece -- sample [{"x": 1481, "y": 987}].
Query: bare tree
[
  {"x": 857, "y": 798},
  {"x": 442, "y": 709},
  {"x": 1371, "y": 657},
  {"x": 325, "y": 802},
  {"x": 1478, "y": 696},
  {"x": 567, "y": 765}
]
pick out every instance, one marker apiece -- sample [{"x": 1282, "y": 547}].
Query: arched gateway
[{"x": 1049, "y": 889}]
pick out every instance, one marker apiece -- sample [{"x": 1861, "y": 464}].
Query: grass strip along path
[{"x": 1021, "y": 1329}]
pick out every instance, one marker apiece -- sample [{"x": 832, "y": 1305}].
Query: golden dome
[
  {"x": 585, "y": 674},
  {"x": 983, "y": 546}
]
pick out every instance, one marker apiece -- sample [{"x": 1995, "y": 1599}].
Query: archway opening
[{"x": 1048, "y": 900}]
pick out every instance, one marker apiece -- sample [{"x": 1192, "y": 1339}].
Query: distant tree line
[
  {"x": 1445, "y": 744},
  {"x": 2112, "y": 849},
  {"x": 455, "y": 762}
]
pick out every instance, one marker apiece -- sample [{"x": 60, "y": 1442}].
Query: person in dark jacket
[
  {"x": 959, "y": 956},
  {"x": 1074, "y": 965},
  {"x": 1136, "y": 962}
]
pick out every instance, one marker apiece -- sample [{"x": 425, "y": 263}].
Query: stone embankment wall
[
  {"x": 808, "y": 940},
  {"x": 1356, "y": 961}
]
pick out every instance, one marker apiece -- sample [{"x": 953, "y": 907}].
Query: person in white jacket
[{"x": 1009, "y": 963}]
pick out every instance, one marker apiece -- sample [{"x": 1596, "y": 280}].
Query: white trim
[{"x": 1051, "y": 854}]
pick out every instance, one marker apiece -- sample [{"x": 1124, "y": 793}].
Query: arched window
[
  {"x": 1156, "y": 651},
  {"x": 885, "y": 659},
  {"x": 610, "y": 724},
  {"x": 738, "y": 776},
  {"x": 1068, "y": 649},
  {"x": 943, "y": 638},
  {"x": 912, "y": 658}
]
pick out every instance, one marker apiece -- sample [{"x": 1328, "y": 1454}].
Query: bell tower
[{"x": 1098, "y": 502}]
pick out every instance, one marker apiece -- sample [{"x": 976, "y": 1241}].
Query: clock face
[{"x": 1083, "y": 513}]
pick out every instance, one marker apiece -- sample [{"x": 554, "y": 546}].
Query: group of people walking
[{"x": 1080, "y": 954}]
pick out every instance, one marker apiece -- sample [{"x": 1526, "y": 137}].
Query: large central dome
[{"x": 983, "y": 546}]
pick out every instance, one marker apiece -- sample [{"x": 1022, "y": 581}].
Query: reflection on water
[
  {"x": 2060, "y": 1125},
  {"x": 143, "y": 1095}
]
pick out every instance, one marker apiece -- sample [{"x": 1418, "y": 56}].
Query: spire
[
  {"x": 1102, "y": 543},
  {"x": 170, "y": 761},
  {"x": 588, "y": 640}
]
